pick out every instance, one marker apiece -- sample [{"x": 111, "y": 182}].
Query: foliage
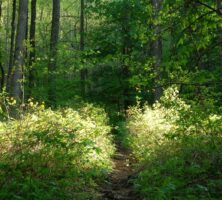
[
  {"x": 54, "y": 154},
  {"x": 176, "y": 141},
  {"x": 6, "y": 105},
  {"x": 178, "y": 147}
]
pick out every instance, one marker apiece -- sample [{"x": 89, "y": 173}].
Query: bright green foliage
[
  {"x": 47, "y": 154},
  {"x": 54, "y": 154},
  {"x": 178, "y": 148},
  {"x": 191, "y": 46}
]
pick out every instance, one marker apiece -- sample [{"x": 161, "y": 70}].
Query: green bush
[
  {"x": 50, "y": 154},
  {"x": 178, "y": 148}
]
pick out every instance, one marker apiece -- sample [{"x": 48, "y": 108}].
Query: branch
[{"x": 211, "y": 8}]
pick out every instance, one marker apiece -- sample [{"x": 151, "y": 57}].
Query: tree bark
[
  {"x": 53, "y": 51},
  {"x": 82, "y": 23},
  {"x": 84, "y": 71},
  {"x": 17, "y": 69},
  {"x": 32, "y": 44},
  {"x": 126, "y": 51},
  {"x": 157, "y": 50},
  {"x": 12, "y": 45},
  {"x": 2, "y": 81},
  {"x": 0, "y": 9},
  {"x": 219, "y": 6}
]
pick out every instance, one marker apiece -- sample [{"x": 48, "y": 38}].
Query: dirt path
[{"x": 119, "y": 187}]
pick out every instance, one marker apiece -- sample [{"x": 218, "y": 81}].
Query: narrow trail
[{"x": 118, "y": 186}]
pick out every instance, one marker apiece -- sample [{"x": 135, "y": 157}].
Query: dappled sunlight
[
  {"x": 48, "y": 153},
  {"x": 179, "y": 149},
  {"x": 110, "y": 99}
]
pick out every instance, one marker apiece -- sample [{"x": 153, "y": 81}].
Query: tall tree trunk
[
  {"x": 2, "y": 81},
  {"x": 219, "y": 6},
  {"x": 26, "y": 34},
  {"x": 53, "y": 51},
  {"x": 17, "y": 69},
  {"x": 126, "y": 50},
  {"x": 32, "y": 44},
  {"x": 0, "y": 9},
  {"x": 82, "y": 23},
  {"x": 157, "y": 50},
  {"x": 12, "y": 45},
  {"x": 84, "y": 71}
]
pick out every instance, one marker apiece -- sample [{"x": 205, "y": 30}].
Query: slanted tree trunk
[
  {"x": 12, "y": 45},
  {"x": 157, "y": 50},
  {"x": 53, "y": 51},
  {"x": 17, "y": 69},
  {"x": 32, "y": 44},
  {"x": 84, "y": 71}
]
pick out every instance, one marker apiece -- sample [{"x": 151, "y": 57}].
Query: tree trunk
[
  {"x": 32, "y": 44},
  {"x": 2, "y": 81},
  {"x": 126, "y": 51},
  {"x": 82, "y": 23},
  {"x": 157, "y": 50},
  {"x": 219, "y": 6},
  {"x": 0, "y": 9},
  {"x": 53, "y": 51},
  {"x": 26, "y": 35},
  {"x": 84, "y": 71},
  {"x": 17, "y": 69},
  {"x": 12, "y": 45}
]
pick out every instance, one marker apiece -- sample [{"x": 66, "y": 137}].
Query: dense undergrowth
[
  {"x": 60, "y": 154},
  {"x": 178, "y": 147}
]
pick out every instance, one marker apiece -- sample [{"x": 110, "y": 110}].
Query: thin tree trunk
[
  {"x": 157, "y": 50},
  {"x": 53, "y": 51},
  {"x": 26, "y": 34},
  {"x": 0, "y": 9},
  {"x": 84, "y": 71},
  {"x": 219, "y": 6},
  {"x": 82, "y": 23},
  {"x": 126, "y": 50},
  {"x": 17, "y": 69},
  {"x": 2, "y": 81},
  {"x": 32, "y": 44},
  {"x": 12, "y": 45}
]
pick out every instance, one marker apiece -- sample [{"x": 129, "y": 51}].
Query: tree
[
  {"x": 126, "y": 48},
  {"x": 1, "y": 65},
  {"x": 12, "y": 44},
  {"x": 84, "y": 71},
  {"x": 16, "y": 86},
  {"x": 32, "y": 44},
  {"x": 219, "y": 7},
  {"x": 53, "y": 51},
  {"x": 157, "y": 50}
]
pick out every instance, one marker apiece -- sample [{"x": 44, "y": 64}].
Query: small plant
[{"x": 6, "y": 105}]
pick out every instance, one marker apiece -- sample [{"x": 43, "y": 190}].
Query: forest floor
[{"x": 119, "y": 186}]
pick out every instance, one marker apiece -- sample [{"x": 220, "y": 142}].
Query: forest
[{"x": 110, "y": 100}]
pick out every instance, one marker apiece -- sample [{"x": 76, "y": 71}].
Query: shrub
[
  {"x": 179, "y": 150},
  {"x": 50, "y": 154}
]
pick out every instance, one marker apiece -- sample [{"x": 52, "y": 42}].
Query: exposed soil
[{"x": 119, "y": 186}]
